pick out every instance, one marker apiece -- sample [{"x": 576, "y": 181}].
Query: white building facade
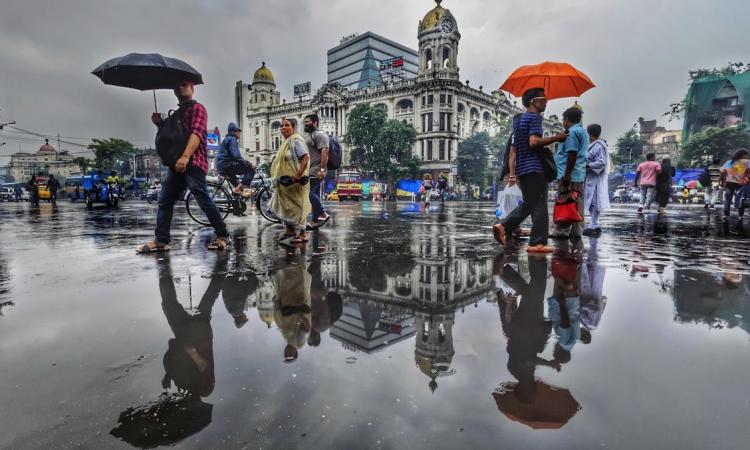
[{"x": 442, "y": 109}]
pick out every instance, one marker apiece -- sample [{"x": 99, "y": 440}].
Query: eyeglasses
[{"x": 541, "y": 99}]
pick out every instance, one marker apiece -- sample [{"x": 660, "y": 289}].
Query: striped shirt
[{"x": 527, "y": 159}]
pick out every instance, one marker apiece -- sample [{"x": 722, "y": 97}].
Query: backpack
[
  {"x": 171, "y": 139},
  {"x": 334, "y": 153}
]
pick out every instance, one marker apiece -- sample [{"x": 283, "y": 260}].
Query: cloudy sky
[{"x": 638, "y": 52}]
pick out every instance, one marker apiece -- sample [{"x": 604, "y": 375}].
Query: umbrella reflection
[{"x": 537, "y": 405}]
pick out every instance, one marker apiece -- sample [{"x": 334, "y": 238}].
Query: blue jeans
[
  {"x": 317, "y": 205},
  {"x": 193, "y": 179}
]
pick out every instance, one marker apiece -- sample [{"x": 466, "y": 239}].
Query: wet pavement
[{"x": 401, "y": 330}]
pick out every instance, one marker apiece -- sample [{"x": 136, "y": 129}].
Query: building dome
[
  {"x": 47, "y": 149},
  {"x": 432, "y": 18},
  {"x": 263, "y": 75}
]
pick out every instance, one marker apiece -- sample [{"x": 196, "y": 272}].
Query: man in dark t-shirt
[{"x": 525, "y": 166}]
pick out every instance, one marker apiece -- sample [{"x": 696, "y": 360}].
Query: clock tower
[{"x": 438, "y": 44}]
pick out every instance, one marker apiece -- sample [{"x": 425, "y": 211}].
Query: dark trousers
[
  {"x": 234, "y": 168},
  {"x": 317, "y": 205},
  {"x": 53, "y": 196},
  {"x": 730, "y": 189},
  {"x": 193, "y": 179},
  {"x": 534, "y": 190}
]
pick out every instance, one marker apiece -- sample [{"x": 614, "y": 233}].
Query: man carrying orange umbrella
[
  {"x": 526, "y": 169},
  {"x": 536, "y": 85}
]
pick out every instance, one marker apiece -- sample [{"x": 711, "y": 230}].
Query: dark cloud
[{"x": 638, "y": 51}]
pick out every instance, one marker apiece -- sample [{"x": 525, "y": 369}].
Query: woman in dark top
[{"x": 664, "y": 184}]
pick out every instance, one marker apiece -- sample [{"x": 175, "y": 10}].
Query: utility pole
[{"x": 58, "y": 143}]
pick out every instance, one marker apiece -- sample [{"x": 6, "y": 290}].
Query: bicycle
[{"x": 221, "y": 190}]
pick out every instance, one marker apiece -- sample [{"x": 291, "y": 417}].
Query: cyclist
[{"x": 229, "y": 160}]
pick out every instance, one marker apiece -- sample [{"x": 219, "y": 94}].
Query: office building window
[
  {"x": 450, "y": 99},
  {"x": 442, "y": 99},
  {"x": 441, "y": 150},
  {"x": 442, "y": 121},
  {"x": 257, "y": 146},
  {"x": 430, "y": 99},
  {"x": 450, "y": 150},
  {"x": 429, "y": 150}
]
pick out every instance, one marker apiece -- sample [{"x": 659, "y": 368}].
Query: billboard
[
  {"x": 301, "y": 89},
  {"x": 212, "y": 141},
  {"x": 393, "y": 63}
]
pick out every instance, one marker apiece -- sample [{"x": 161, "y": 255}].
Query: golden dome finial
[{"x": 432, "y": 18}]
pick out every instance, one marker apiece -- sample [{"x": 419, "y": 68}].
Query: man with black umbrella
[{"x": 189, "y": 172}]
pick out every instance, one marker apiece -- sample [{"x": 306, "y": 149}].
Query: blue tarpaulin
[
  {"x": 681, "y": 176},
  {"x": 409, "y": 186}
]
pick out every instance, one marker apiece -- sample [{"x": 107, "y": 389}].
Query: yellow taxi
[{"x": 333, "y": 196}]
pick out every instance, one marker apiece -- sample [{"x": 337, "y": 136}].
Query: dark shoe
[
  {"x": 589, "y": 232},
  {"x": 640, "y": 210},
  {"x": 498, "y": 230}
]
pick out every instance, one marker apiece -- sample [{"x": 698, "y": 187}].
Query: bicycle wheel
[
  {"x": 221, "y": 197},
  {"x": 261, "y": 202}
]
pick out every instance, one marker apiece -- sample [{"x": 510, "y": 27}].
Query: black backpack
[
  {"x": 171, "y": 139},
  {"x": 334, "y": 154}
]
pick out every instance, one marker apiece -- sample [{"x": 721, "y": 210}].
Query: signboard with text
[
  {"x": 212, "y": 141},
  {"x": 302, "y": 89}
]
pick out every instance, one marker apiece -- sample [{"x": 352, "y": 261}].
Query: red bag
[
  {"x": 565, "y": 269},
  {"x": 566, "y": 209}
]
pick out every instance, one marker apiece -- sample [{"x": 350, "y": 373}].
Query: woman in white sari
[{"x": 291, "y": 203}]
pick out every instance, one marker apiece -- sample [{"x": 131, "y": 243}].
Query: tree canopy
[
  {"x": 112, "y": 152},
  {"x": 381, "y": 146},
  {"x": 473, "y": 158},
  {"x": 713, "y": 143},
  {"x": 630, "y": 141}
]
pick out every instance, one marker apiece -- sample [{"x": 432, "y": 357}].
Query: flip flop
[
  {"x": 299, "y": 240},
  {"x": 540, "y": 249},
  {"x": 147, "y": 248},
  {"x": 285, "y": 236},
  {"x": 218, "y": 244},
  {"x": 498, "y": 230}
]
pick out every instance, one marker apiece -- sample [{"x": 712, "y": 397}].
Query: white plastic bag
[{"x": 508, "y": 200}]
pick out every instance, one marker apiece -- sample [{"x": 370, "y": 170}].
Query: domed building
[
  {"x": 443, "y": 110},
  {"x": 47, "y": 160}
]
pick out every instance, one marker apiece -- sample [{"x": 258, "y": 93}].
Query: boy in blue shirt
[{"x": 571, "y": 168}]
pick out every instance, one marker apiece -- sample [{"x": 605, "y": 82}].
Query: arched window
[
  {"x": 446, "y": 57},
  {"x": 404, "y": 106},
  {"x": 428, "y": 59}
]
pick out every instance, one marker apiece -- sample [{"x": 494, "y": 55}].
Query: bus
[{"x": 349, "y": 185}]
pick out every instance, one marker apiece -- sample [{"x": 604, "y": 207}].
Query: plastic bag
[{"x": 508, "y": 200}]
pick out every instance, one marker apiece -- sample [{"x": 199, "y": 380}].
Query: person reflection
[
  {"x": 292, "y": 306},
  {"x": 326, "y": 306},
  {"x": 524, "y": 325},
  {"x": 189, "y": 360},
  {"x": 592, "y": 300},
  {"x": 188, "y": 363},
  {"x": 239, "y": 282},
  {"x": 564, "y": 307}
]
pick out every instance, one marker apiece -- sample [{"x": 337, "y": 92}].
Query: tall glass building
[{"x": 356, "y": 62}]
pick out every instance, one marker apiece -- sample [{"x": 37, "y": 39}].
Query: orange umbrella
[
  {"x": 549, "y": 407},
  {"x": 559, "y": 80}
]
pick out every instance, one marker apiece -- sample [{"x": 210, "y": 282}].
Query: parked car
[{"x": 7, "y": 194}]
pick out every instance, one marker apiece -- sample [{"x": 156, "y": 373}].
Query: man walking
[
  {"x": 18, "y": 191},
  {"x": 33, "y": 189},
  {"x": 189, "y": 172},
  {"x": 317, "y": 144},
  {"x": 596, "y": 198},
  {"x": 645, "y": 177},
  {"x": 526, "y": 170},
  {"x": 229, "y": 160},
  {"x": 53, "y": 186},
  {"x": 571, "y": 169}
]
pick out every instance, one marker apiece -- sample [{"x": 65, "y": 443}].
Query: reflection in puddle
[{"x": 720, "y": 299}]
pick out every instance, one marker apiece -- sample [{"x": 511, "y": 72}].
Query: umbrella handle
[{"x": 155, "y": 108}]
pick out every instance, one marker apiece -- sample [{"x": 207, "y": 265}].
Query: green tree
[
  {"x": 713, "y": 143},
  {"x": 112, "y": 152},
  {"x": 381, "y": 146},
  {"x": 473, "y": 158},
  {"x": 629, "y": 147},
  {"x": 83, "y": 163},
  {"x": 497, "y": 148}
]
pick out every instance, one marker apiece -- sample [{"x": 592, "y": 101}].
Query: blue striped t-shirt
[{"x": 527, "y": 159}]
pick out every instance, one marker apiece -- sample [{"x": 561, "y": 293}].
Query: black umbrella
[{"x": 146, "y": 71}]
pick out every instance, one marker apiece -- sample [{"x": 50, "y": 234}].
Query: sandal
[
  {"x": 498, "y": 230},
  {"x": 218, "y": 244},
  {"x": 300, "y": 240},
  {"x": 520, "y": 232},
  {"x": 151, "y": 247},
  {"x": 540, "y": 249},
  {"x": 285, "y": 236}
]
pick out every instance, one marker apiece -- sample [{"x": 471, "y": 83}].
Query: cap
[{"x": 232, "y": 127}]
